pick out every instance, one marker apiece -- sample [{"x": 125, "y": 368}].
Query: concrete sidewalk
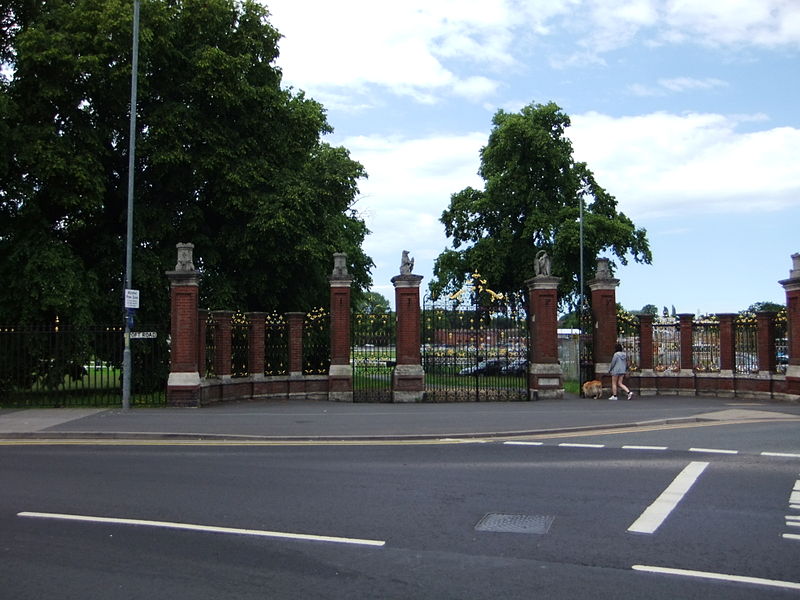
[{"x": 282, "y": 420}]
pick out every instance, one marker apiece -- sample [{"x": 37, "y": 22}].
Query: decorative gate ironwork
[
  {"x": 586, "y": 346},
  {"x": 373, "y": 356},
  {"x": 473, "y": 351}
]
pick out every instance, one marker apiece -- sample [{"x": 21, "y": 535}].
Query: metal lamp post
[{"x": 127, "y": 361}]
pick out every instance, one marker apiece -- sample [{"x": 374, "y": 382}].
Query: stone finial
[
  {"x": 185, "y": 262},
  {"x": 339, "y": 266},
  {"x": 406, "y": 264},
  {"x": 603, "y": 270},
  {"x": 541, "y": 267},
  {"x": 795, "y": 272}
]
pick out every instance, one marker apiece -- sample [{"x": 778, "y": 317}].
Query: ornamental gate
[
  {"x": 473, "y": 351},
  {"x": 373, "y": 356}
]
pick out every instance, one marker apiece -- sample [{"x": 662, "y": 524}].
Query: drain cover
[{"x": 503, "y": 523}]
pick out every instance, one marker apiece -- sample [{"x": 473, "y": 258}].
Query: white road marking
[
  {"x": 793, "y": 517},
  {"x": 791, "y": 536},
  {"x": 794, "y": 498},
  {"x": 523, "y": 443},
  {"x": 644, "y": 447},
  {"x": 784, "y": 454},
  {"x": 655, "y": 514},
  {"x": 203, "y": 528},
  {"x": 719, "y": 576},
  {"x": 713, "y": 450},
  {"x": 566, "y": 445}
]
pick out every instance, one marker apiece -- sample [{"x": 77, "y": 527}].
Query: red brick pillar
[
  {"x": 765, "y": 341},
  {"x": 256, "y": 332},
  {"x": 223, "y": 349},
  {"x": 408, "y": 381},
  {"x": 604, "y": 310},
  {"x": 686, "y": 381},
  {"x": 727, "y": 344},
  {"x": 685, "y": 325},
  {"x": 202, "y": 328},
  {"x": 646, "y": 342},
  {"x": 545, "y": 376},
  {"x": 792, "y": 287},
  {"x": 183, "y": 385},
  {"x": 646, "y": 376},
  {"x": 294, "y": 321},
  {"x": 340, "y": 375}
]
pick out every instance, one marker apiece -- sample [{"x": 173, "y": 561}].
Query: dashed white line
[
  {"x": 713, "y": 451},
  {"x": 719, "y": 576},
  {"x": 655, "y": 514},
  {"x": 203, "y": 528},
  {"x": 783, "y": 454},
  {"x": 523, "y": 443},
  {"x": 568, "y": 445},
  {"x": 644, "y": 447}
]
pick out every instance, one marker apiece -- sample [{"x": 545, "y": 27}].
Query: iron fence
[
  {"x": 666, "y": 345},
  {"x": 58, "y": 365},
  {"x": 373, "y": 355},
  {"x": 317, "y": 342},
  {"x": 276, "y": 345},
  {"x": 474, "y": 353},
  {"x": 705, "y": 346},
  {"x": 746, "y": 335}
]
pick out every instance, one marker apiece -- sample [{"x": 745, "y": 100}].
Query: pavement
[{"x": 307, "y": 420}]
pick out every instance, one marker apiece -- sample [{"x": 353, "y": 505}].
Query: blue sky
[{"x": 686, "y": 111}]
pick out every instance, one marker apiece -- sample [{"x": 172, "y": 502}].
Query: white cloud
[
  {"x": 676, "y": 85},
  {"x": 426, "y": 49},
  {"x": 664, "y": 163}
]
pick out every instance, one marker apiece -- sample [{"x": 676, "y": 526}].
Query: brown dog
[{"x": 592, "y": 388}]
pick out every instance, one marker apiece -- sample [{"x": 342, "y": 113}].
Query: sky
[{"x": 687, "y": 111}]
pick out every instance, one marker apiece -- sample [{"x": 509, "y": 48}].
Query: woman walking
[{"x": 619, "y": 366}]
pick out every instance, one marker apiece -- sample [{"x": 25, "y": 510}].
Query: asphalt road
[{"x": 406, "y": 519}]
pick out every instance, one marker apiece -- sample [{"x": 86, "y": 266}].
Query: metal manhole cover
[{"x": 503, "y": 523}]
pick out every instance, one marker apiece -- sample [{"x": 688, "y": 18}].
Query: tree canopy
[
  {"x": 531, "y": 202},
  {"x": 226, "y": 158}
]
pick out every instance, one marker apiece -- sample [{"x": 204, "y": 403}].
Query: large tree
[
  {"x": 226, "y": 158},
  {"x": 531, "y": 202}
]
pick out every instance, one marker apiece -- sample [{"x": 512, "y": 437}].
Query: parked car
[
  {"x": 492, "y": 366},
  {"x": 516, "y": 367}
]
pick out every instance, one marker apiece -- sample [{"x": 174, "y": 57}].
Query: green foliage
[
  {"x": 226, "y": 159},
  {"x": 531, "y": 202},
  {"x": 649, "y": 309},
  {"x": 765, "y": 307},
  {"x": 372, "y": 303}
]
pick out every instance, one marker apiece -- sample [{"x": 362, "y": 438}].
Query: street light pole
[
  {"x": 580, "y": 293},
  {"x": 127, "y": 362}
]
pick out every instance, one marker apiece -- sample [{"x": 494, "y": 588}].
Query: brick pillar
[
  {"x": 604, "y": 310},
  {"x": 202, "y": 327},
  {"x": 545, "y": 376},
  {"x": 765, "y": 341},
  {"x": 183, "y": 385},
  {"x": 646, "y": 343},
  {"x": 256, "y": 332},
  {"x": 408, "y": 381},
  {"x": 223, "y": 349},
  {"x": 792, "y": 288},
  {"x": 726, "y": 385},
  {"x": 340, "y": 375},
  {"x": 294, "y": 321},
  {"x": 685, "y": 324}
]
